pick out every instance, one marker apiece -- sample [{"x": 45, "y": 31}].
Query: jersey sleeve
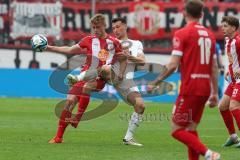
[
  {"x": 84, "y": 43},
  {"x": 140, "y": 48},
  {"x": 178, "y": 43}
]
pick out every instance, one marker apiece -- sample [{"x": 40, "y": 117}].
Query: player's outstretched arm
[
  {"x": 171, "y": 67},
  {"x": 213, "y": 100},
  {"x": 64, "y": 49},
  {"x": 40, "y": 43},
  {"x": 214, "y": 77}
]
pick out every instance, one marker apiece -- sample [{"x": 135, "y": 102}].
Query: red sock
[
  {"x": 82, "y": 105},
  {"x": 190, "y": 140},
  {"x": 62, "y": 124},
  {"x": 228, "y": 120},
  {"x": 192, "y": 154},
  {"x": 236, "y": 115}
]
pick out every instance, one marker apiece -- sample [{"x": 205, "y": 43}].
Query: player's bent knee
[
  {"x": 105, "y": 68},
  {"x": 140, "y": 107},
  {"x": 224, "y": 103},
  {"x": 222, "y": 107},
  {"x": 70, "y": 101},
  {"x": 68, "y": 104},
  {"x": 105, "y": 72},
  {"x": 234, "y": 105},
  {"x": 88, "y": 88},
  {"x": 175, "y": 126},
  {"x": 192, "y": 126}
]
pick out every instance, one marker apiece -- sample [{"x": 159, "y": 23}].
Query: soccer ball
[{"x": 39, "y": 42}]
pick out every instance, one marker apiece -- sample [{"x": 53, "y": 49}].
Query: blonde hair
[{"x": 98, "y": 18}]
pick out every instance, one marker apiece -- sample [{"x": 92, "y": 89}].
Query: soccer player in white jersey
[
  {"x": 127, "y": 88},
  {"x": 229, "y": 105},
  {"x": 133, "y": 52}
]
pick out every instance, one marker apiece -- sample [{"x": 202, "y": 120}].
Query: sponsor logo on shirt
[
  {"x": 194, "y": 76},
  {"x": 103, "y": 55}
]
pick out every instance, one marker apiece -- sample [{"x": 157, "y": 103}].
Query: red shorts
[
  {"x": 229, "y": 89},
  {"x": 233, "y": 91},
  {"x": 77, "y": 87},
  {"x": 188, "y": 109}
]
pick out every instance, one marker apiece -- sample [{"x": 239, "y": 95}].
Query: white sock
[
  {"x": 81, "y": 76},
  {"x": 208, "y": 153},
  {"x": 133, "y": 124},
  {"x": 87, "y": 75}
]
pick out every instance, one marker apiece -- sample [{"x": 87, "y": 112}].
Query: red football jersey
[
  {"x": 196, "y": 45},
  {"x": 100, "y": 51},
  {"x": 232, "y": 48}
]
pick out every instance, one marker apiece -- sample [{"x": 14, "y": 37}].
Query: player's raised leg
[{"x": 83, "y": 76}]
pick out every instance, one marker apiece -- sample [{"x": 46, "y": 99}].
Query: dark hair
[
  {"x": 194, "y": 8},
  {"x": 232, "y": 21},
  {"x": 121, "y": 19}
]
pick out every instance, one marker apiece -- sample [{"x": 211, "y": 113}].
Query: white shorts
[{"x": 124, "y": 87}]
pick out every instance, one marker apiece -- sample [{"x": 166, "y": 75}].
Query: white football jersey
[{"x": 136, "y": 48}]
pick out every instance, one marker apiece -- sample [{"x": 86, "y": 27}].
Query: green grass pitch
[{"x": 26, "y": 125}]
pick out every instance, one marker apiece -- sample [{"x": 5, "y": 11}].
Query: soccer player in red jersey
[
  {"x": 193, "y": 51},
  {"x": 229, "y": 105},
  {"x": 101, "y": 49}
]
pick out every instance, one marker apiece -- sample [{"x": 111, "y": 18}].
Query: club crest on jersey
[{"x": 103, "y": 55}]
